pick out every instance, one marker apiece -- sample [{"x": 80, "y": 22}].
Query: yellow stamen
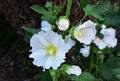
[
  {"x": 80, "y": 33},
  {"x": 52, "y": 50}
]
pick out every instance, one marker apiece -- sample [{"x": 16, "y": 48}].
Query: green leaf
[
  {"x": 42, "y": 11},
  {"x": 31, "y": 30},
  {"x": 97, "y": 10},
  {"x": 84, "y": 3},
  {"x": 109, "y": 68},
  {"x": 85, "y": 76},
  {"x": 112, "y": 20}
]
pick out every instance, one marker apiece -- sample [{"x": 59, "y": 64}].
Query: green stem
[
  {"x": 54, "y": 74},
  {"x": 91, "y": 63},
  {"x": 97, "y": 62},
  {"x": 82, "y": 19},
  {"x": 68, "y": 8}
]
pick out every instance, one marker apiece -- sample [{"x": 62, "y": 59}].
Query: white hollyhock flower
[
  {"x": 63, "y": 23},
  {"x": 108, "y": 40},
  {"x": 48, "y": 49},
  {"x": 85, "y": 32},
  {"x": 46, "y": 26},
  {"x": 76, "y": 70},
  {"x": 109, "y": 37},
  {"x": 85, "y": 51}
]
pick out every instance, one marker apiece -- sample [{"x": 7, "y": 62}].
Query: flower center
[
  {"x": 52, "y": 50},
  {"x": 80, "y": 33}
]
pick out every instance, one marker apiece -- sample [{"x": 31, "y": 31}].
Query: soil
[{"x": 15, "y": 65}]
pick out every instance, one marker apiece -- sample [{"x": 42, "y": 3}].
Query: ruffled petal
[
  {"x": 39, "y": 57},
  {"x": 53, "y": 62},
  {"x": 108, "y": 32},
  {"x": 36, "y": 44}
]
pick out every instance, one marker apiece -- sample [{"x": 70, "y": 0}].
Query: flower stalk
[
  {"x": 68, "y": 8},
  {"x": 54, "y": 75}
]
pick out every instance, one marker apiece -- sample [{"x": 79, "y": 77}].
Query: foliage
[
  {"x": 49, "y": 14},
  {"x": 98, "y": 55},
  {"x": 110, "y": 69},
  {"x": 98, "y": 10},
  {"x": 85, "y": 76}
]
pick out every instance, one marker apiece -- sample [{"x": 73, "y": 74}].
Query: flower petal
[
  {"x": 53, "y": 62},
  {"x": 108, "y": 32},
  {"x": 45, "y": 26},
  {"x": 85, "y": 51},
  {"x": 100, "y": 43},
  {"x": 87, "y": 37},
  {"x": 89, "y": 25},
  {"x": 40, "y": 57}
]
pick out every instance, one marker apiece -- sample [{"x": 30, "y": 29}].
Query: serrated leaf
[
  {"x": 30, "y": 30},
  {"x": 84, "y": 3},
  {"x": 85, "y": 76},
  {"x": 41, "y": 10},
  {"x": 97, "y": 10},
  {"x": 112, "y": 20},
  {"x": 108, "y": 68}
]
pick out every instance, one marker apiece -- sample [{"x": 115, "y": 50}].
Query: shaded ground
[
  {"x": 10, "y": 69},
  {"x": 14, "y": 62}
]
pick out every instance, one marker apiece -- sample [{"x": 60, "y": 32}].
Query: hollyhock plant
[
  {"x": 80, "y": 50},
  {"x": 47, "y": 48},
  {"x": 85, "y": 32}
]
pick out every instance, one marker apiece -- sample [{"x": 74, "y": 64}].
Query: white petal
[
  {"x": 74, "y": 70},
  {"x": 100, "y": 43},
  {"x": 89, "y": 25},
  {"x": 111, "y": 41},
  {"x": 53, "y": 62},
  {"x": 39, "y": 57},
  {"x": 108, "y": 32},
  {"x": 37, "y": 54},
  {"x": 58, "y": 62},
  {"x": 42, "y": 38},
  {"x": 113, "y": 44},
  {"x": 52, "y": 36},
  {"x": 61, "y": 54},
  {"x": 85, "y": 51},
  {"x": 45, "y": 26},
  {"x": 87, "y": 37},
  {"x": 36, "y": 44},
  {"x": 69, "y": 42},
  {"x": 89, "y": 32},
  {"x": 41, "y": 61}
]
